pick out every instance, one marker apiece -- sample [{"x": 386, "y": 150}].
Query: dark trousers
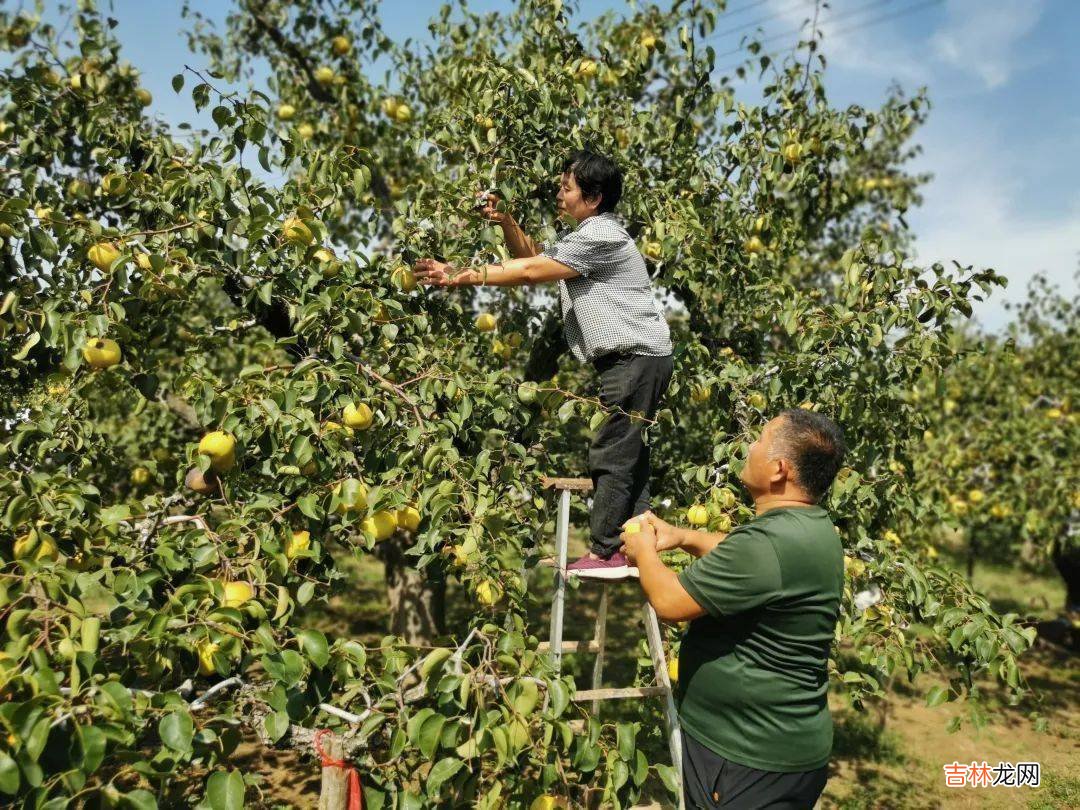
[
  {"x": 619, "y": 456},
  {"x": 711, "y": 781}
]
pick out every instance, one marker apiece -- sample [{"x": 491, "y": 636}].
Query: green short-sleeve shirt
[{"x": 753, "y": 672}]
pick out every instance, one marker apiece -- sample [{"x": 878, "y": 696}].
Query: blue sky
[{"x": 1003, "y": 139}]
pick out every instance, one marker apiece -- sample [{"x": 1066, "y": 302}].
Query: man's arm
[
  {"x": 665, "y": 593},
  {"x": 669, "y": 537},
  {"x": 516, "y": 272}
]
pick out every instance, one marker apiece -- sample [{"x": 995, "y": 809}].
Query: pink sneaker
[{"x": 614, "y": 567}]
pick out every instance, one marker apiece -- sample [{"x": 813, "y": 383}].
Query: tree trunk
[
  {"x": 417, "y": 598},
  {"x": 1067, "y": 562}
]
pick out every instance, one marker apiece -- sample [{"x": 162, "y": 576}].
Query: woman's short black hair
[
  {"x": 814, "y": 444},
  {"x": 596, "y": 175}
]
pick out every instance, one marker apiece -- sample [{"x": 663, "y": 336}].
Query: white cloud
[
  {"x": 984, "y": 38},
  {"x": 970, "y": 214}
]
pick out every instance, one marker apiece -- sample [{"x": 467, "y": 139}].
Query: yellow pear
[
  {"x": 700, "y": 394},
  {"x": 548, "y": 802},
  {"x": 792, "y": 152},
  {"x": 408, "y": 518},
  {"x": 286, "y": 112},
  {"x": 403, "y": 278},
  {"x": 632, "y": 526},
  {"x": 587, "y": 69},
  {"x": 724, "y": 497},
  {"x": 697, "y": 515},
  {"x": 221, "y": 448},
  {"x": 976, "y": 496},
  {"x": 357, "y": 416},
  {"x": 382, "y": 524},
  {"x": 101, "y": 353},
  {"x": 140, "y": 476},
  {"x": 237, "y": 593},
  {"x": 754, "y": 245},
  {"x": 305, "y": 130},
  {"x": 205, "y": 650},
  {"x": 102, "y": 255},
  {"x": 143, "y": 260},
  {"x": 648, "y": 41},
  {"x": 488, "y": 592},
  {"x": 403, "y": 113},
  {"x": 653, "y": 250},
  {"x": 299, "y": 541},
  {"x": 115, "y": 185},
  {"x": 296, "y": 232},
  {"x": 673, "y": 669},
  {"x": 486, "y": 322},
  {"x": 756, "y": 400},
  {"x": 144, "y": 97},
  {"x": 324, "y": 75},
  {"x": 389, "y": 107},
  {"x": 340, "y": 45},
  {"x": 352, "y": 495}
]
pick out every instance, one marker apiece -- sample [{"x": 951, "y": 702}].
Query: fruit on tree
[
  {"x": 723, "y": 523},
  {"x": 389, "y": 107},
  {"x": 237, "y": 592},
  {"x": 102, "y": 255},
  {"x": 403, "y": 113},
  {"x": 586, "y": 70},
  {"x": 305, "y": 130},
  {"x": 352, "y": 496},
  {"x": 653, "y": 250},
  {"x": 485, "y": 322},
  {"x": 403, "y": 278},
  {"x": 548, "y": 802},
  {"x": 298, "y": 541},
  {"x": 724, "y": 498},
  {"x": 202, "y": 483},
  {"x": 221, "y": 449},
  {"x": 754, "y": 245},
  {"x": 205, "y": 649},
  {"x": 144, "y": 96},
  {"x": 140, "y": 476},
  {"x": 101, "y": 353},
  {"x": 697, "y": 515},
  {"x": 381, "y": 525},
  {"x": 340, "y": 45},
  {"x": 324, "y": 75},
  {"x": 673, "y": 668},
  {"x": 408, "y": 518},
  {"x": 357, "y": 416},
  {"x": 488, "y": 592},
  {"x": 756, "y": 400},
  {"x": 648, "y": 40},
  {"x": 792, "y": 152},
  {"x": 526, "y": 393},
  {"x": 114, "y": 185},
  {"x": 286, "y": 112},
  {"x": 700, "y": 394},
  {"x": 296, "y": 232}
]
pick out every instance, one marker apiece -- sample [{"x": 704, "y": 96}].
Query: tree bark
[{"x": 417, "y": 597}]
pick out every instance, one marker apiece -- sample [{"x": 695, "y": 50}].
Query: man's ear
[
  {"x": 599, "y": 199},
  {"x": 781, "y": 470}
]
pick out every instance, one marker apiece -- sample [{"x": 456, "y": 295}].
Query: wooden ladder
[{"x": 555, "y": 647}]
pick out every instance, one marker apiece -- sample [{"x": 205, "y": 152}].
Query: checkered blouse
[{"x": 610, "y": 307}]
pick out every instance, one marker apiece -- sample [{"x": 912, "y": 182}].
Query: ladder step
[
  {"x": 616, "y": 694},
  {"x": 579, "y": 484},
  {"x": 571, "y": 646}
]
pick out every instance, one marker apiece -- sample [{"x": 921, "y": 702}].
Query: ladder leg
[
  {"x": 562, "y": 530},
  {"x": 600, "y": 637},
  {"x": 656, "y": 652}
]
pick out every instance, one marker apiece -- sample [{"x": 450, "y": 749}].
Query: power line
[
  {"x": 754, "y": 23},
  {"x": 854, "y": 12},
  {"x": 904, "y": 12}
]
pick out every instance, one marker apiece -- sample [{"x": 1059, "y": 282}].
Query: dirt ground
[{"x": 888, "y": 757}]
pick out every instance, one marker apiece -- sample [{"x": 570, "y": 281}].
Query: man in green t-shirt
[{"x": 763, "y": 602}]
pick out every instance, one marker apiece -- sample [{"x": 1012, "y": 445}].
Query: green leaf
[
  {"x": 139, "y": 799},
  {"x": 176, "y": 731},
  {"x": 30, "y": 343},
  {"x": 178, "y": 82},
  {"x": 9, "y": 774},
  {"x": 92, "y": 741},
  {"x": 444, "y": 769},
  {"x": 560, "y": 698},
  {"x": 937, "y": 695},
  {"x": 314, "y": 646},
  {"x": 225, "y": 791},
  {"x": 669, "y": 777},
  {"x": 277, "y": 725}
]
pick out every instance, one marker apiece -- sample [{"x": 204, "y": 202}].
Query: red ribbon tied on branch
[{"x": 354, "y": 796}]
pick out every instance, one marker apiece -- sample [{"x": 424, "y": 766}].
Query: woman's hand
[
  {"x": 487, "y": 201},
  {"x": 433, "y": 273}
]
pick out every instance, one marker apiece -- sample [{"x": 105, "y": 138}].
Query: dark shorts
[{"x": 710, "y": 780}]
